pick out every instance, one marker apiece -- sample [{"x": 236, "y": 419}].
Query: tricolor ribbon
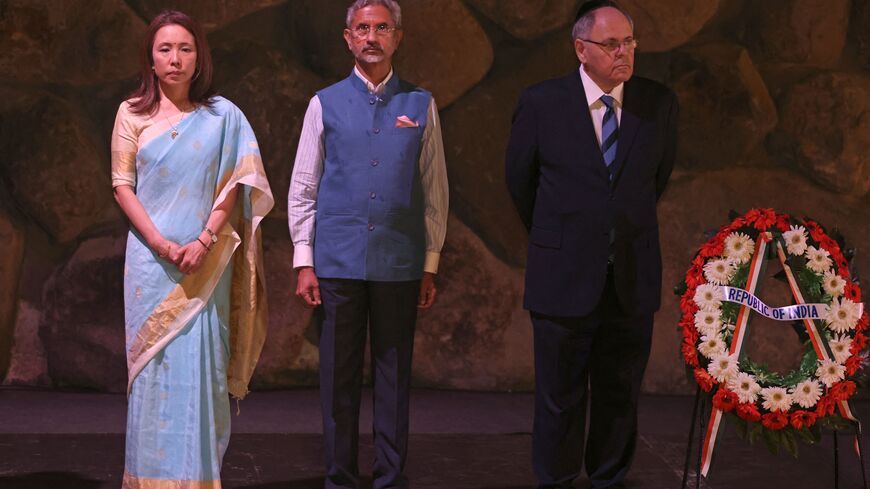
[{"x": 808, "y": 313}]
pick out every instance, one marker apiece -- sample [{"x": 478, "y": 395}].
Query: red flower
[
  {"x": 687, "y": 301},
  {"x": 853, "y": 292},
  {"x": 842, "y": 390},
  {"x": 695, "y": 276},
  {"x": 816, "y": 231},
  {"x": 843, "y": 269},
  {"x": 776, "y": 420},
  {"x": 705, "y": 380},
  {"x": 782, "y": 222},
  {"x": 862, "y": 324},
  {"x": 825, "y": 406},
  {"x": 749, "y": 412},
  {"x": 803, "y": 419},
  {"x": 725, "y": 400},
  {"x": 852, "y": 365},
  {"x": 712, "y": 248},
  {"x": 859, "y": 341},
  {"x": 689, "y": 353},
  {"x": 761, "y": 219}
]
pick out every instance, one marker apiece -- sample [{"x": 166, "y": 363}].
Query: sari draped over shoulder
[{"x": 191, "y": 339}]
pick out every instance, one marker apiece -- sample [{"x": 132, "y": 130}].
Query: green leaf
[
  {"x": 740, "y": 425},
  {"x": 808, "y": 436},
  {"x": 789, "y": 442},
  {"x": 741, "y": 276},
  {"x": 755, "y": 429},
  {"x": 681, "y": 288},
  {"x": 773, "y": 440}
]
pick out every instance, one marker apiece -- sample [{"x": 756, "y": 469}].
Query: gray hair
[
  {"x": 391, "y": 5},
  {"x": 585, "y": 22}
]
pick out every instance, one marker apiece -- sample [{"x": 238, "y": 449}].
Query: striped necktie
[{"x": 609, "y": 131}]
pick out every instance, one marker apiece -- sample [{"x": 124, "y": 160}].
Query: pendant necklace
[{"x": 174, "y": 127}]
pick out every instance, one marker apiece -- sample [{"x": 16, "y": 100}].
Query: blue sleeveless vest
[{"x": 370, "y": 215}]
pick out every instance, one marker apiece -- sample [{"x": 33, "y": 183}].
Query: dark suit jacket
[{"x": 562, "y": 189}]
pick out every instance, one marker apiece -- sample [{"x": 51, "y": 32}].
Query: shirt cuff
[
  {"x": 431, "y": 263},
  {"x": 303, "y": 256}
]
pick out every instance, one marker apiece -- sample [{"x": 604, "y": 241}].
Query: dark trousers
[
  {"x": 597, "y": 359},
  {"x": 348, "y": 308}
]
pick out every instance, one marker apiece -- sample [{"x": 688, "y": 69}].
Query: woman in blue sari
[{"x": 187, "y": 173}]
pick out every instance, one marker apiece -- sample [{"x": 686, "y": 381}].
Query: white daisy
[
  {"x": 796, "y": 240},
  {"x": 723, "y": 367},
  {"x": 833, "y": 284},
  {"x": 840, "y": 346},
  {"x": 711, "y": 346},
  {"x": 830, "y": 372},
  {"x": 776, "y": 399},
  {"x": 807, "y": 393},
  {"x": 719, "y": 271},
  {"x": 708, "y": 296},
  {"x": 745, "y": 386},
  {"x": 818, "y": 259},
  {"x": 843, "y": 315},
  {"x": 739, "y": 247},
  {"x": 708, "y": 323}
]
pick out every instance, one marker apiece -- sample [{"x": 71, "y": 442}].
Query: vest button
[
  {"x": 372, "y": 195},
  {"x": 377, "y": 131},
  {"x": 371, "y": 227},
  {"x": 375, "y": 162},
  {"x": 372, "y": 101}
]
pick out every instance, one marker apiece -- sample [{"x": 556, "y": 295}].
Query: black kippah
[{"x": 591, "y": 5}]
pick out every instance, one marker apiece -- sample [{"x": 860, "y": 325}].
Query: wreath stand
[
  {"x": 698, "y": 414},
  {"x": 706, "y": 439}
]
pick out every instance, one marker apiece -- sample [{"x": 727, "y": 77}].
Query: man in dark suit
[{"x": 589, "y": 155}]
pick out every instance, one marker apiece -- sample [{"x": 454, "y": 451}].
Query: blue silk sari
[{"x": 191, "y": 339}]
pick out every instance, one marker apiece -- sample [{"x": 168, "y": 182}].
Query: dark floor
[{"x": 459, "y": 440}]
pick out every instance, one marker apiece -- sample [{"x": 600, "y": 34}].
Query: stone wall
[{"x": 775, "y": 112}]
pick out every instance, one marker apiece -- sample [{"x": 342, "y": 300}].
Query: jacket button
[
  {"x": 377, "y": 131},
  {"x": 375, "y": 162},
  {"x": 372, "y": 195},
  {"x": 371, "y": 227},
  {"x": 372, "y": 101}
]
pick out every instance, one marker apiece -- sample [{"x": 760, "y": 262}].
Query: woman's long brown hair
[{"x": 147, "y": 97}]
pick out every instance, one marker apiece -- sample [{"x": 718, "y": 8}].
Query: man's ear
[
  {"x": 348, "y": 38},
  {"x": 580, "y": 50}
]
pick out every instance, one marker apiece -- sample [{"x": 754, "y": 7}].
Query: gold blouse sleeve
[{"x": 125, "y": 145}]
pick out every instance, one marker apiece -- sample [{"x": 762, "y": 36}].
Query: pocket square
[{"x": 404, "y": 121}]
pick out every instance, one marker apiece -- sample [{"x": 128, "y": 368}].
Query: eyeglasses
[
  {"x": 611, "y": 45},
  {"x": 381, "y": 30}
]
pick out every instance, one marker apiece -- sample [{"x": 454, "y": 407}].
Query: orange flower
[
  {"x": 725, "y": 400},
  {"x": 749, "y": 412},
  {"x": 689, "y": 353},
  {"x": 842, "y": 390},
  {"x": 825, "y": 406},
  {"x": 803, "y": 419},
  {"x": 776, "y": 420},
  {"x": 761, "y": 219},
  {"x": 704, "y": 379}
]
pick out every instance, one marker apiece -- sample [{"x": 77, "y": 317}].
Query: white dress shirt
[
  {"x": 308, "y": 168},
  {"x": 596, "y": 106}
]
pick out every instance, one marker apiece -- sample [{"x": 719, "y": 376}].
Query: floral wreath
[{"x": 781, "y": 408}]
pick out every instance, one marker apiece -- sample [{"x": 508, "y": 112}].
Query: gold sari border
[
  {"x": 182, "y": 303},
  {"x": 248, "y": 307},
  {"x": 132, "y": 482}
]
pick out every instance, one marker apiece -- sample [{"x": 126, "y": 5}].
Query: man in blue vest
[{"x": 367, "y": 209}]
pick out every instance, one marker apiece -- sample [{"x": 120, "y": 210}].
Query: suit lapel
[
  {"x": 580, "y": 119},
  {"x": 628, "y": 125}
]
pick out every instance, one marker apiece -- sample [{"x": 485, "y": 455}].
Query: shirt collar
[
  {"x": 594, "y": 92},
  {"x": 372, "y": 88}
]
